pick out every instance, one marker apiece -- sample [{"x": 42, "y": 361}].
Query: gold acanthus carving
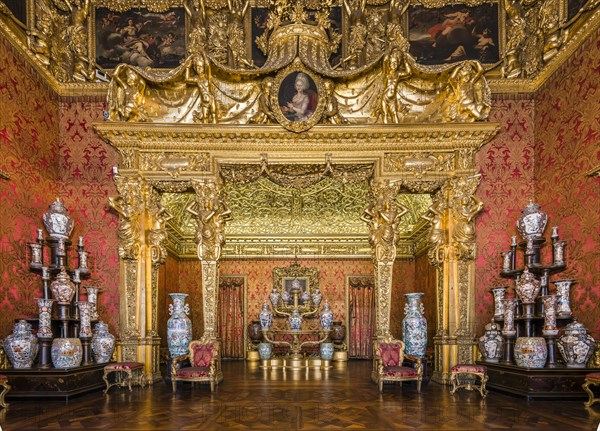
[
  {"x": 210, "y": 297},
  {"x": 131, "y": 329},
  {"x": 174, "y": 163},
  {"x": 129, "y": 206}
]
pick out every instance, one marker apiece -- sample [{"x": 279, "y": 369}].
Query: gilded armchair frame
[
  {"x": 380, "y": 374},
  {"x": 213, "y": 374}
]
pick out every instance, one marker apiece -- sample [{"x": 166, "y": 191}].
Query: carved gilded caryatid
[
  {"x": 383, "y": 216},
  {"x": 465, "y": 206},
  {"x": 129, "y": 206},
  {"x": 211, "y": 214}
]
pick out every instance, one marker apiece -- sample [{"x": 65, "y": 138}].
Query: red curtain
[
  {"x": 362, "y": 317},
  {"x": 231, "y": 317}
]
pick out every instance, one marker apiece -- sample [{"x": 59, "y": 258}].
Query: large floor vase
[
  {"x": 531, "y": 352},
  {"x": 179, "y": 326},
  {"x": 414, "y": 325}
]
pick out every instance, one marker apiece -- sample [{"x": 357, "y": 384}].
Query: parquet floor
[{"x": 341, "y": 399}]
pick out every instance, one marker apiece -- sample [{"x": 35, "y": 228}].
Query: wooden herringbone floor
[{"x": 342, "y": 399}]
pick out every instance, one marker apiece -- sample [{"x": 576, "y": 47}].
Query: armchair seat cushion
[
  {"x": 593, "y": 376},
  {"x": 399, "y": 372},
  {"x": 193, "y": 372},
  {"x": 469, "y": 368}
]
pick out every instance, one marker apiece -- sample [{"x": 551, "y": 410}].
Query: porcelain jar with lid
[
  {"x": 491, "y": 343},
  {"x": 575, "y": 345},
  {"x": 532, "y": 222},
  {"x": 21, "y": 346}
]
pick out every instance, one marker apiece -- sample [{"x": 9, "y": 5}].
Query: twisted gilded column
[
  {"x": 452, "y": 252},
  {"x": 383, "y": 215},
  {"x": 211, "y": 214}
]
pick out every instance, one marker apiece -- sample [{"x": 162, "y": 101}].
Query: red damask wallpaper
[
  {"x": 567, "y": 124},
  {"x": 403, "y": 281},
  {"x": 85, "y": 174},
  {"x": 507, "y": 183},
  {"x": 29, "y": 129}
]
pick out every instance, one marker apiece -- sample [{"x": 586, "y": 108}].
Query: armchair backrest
[
  {"x": 391, "y": 353},
  {"x": 201, "y": 354}
]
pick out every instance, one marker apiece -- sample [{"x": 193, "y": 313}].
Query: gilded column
[
  {"x": 211, "y": 214},
  {"x": 383, "y": 215},
  {"x": 452, "y": 252}
]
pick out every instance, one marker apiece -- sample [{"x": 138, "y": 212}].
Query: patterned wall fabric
[
  {"x": 425, "y": 282},
  {"x": 403, "y": 281},
  {"x": 567, "y": 146},
  {"x": 85, "y": 173},
  {"x": 29, "y": 153},
  {"x": 506, "y": 166}
]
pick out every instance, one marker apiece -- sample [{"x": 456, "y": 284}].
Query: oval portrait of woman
[{"x": 298, "y": 97}]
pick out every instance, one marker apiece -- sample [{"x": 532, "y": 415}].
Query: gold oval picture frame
[{"x": 297, "y": 98}]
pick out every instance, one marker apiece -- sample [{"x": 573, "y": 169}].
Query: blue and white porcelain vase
[
  {"x": 21, "y": 346},
  {"x": 326, "y": 351},
  {"x": 103, "y": 343},
  {"x": 179, "y": 326},
  {"x": 326, "y": 317},
  {"x": 275, "y": 297},
  {"x": 295, "y": 320},
  {"x": 265, "y": 316},
  {"x": 316, "y": 297},
  {"x": 414, "y": 325},
  {"x": 265, "y": 350},
  {"x": 66, "y": 352}
]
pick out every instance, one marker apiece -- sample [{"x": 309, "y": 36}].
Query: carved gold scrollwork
[
  {"x": 129, "y": 205},
  {"x": 157, "y": 234},
  {"x": 175, "y": 163},
  {"x": 437, "y": 240}
]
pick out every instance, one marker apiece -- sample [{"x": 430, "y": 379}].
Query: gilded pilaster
[{"x": 452, "y": 242}]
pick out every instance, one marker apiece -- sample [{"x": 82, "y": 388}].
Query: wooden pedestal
[
  {"x": 53, "y": 382},
  {"x": 537, "y": 383}
]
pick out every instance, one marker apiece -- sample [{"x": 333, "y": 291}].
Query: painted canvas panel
[
  {"x": 140, "y": 38},
  {"x": 454, "y": 33}
]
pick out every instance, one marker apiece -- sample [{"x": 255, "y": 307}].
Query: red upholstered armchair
[
  {"x": 205, "y": 364},
  {"x": 388, "y": 364}
]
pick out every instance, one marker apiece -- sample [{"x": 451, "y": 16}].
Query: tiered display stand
[
  {"x": 555, "y": 379},
  {"x": 43, "y": 379}
]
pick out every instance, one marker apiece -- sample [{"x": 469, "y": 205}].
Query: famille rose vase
[
  {"x": 179, "y": 326},
  {"x": 531, "y": 352},
  {"x": 66, "y": 352},
  {"x": 414, "y": 325}
]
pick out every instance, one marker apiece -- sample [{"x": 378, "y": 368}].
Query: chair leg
[
  {"x": 7, "y": 388},
  {"x": 419, "y": 386},
  {"x": 212, "y": 386},
  {"x": 174, "y": 383},
  {"x": 453, "y": 380},
  {"x": 380, "y": 385},
  {"x": 105, "y": 378},
  {"x": 586, "y": 387}
]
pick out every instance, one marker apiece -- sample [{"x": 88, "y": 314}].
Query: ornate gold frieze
[
  {"x": 419, "y": 163},
  {"x": 174, "y": 163}
]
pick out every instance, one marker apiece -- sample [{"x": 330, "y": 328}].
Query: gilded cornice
[{"x": 249, "y": 139}]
